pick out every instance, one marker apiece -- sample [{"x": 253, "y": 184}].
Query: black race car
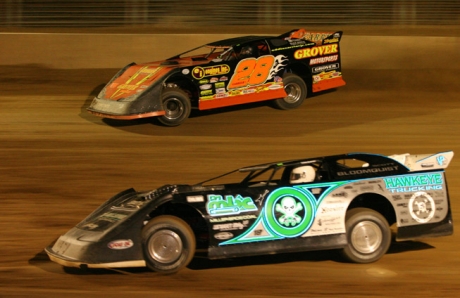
[
  {"x": 344, "y": 202},
  {"x": 229, "y": 72}
]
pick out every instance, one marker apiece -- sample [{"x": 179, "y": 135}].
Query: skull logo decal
[{"x": 289, "y": 208}]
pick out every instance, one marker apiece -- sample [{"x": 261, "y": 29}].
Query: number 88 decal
[{"x": 251, "y": 71}]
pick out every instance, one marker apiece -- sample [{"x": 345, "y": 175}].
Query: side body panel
[{"x": 312, "y": 216}]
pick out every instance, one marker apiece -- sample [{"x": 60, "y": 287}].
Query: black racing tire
[
  {"x": 177, "y": 106},
  {"x": 296, "y": 91},
  {"x": 368, "y": 236},
  {"x": 168, "y": 244}
]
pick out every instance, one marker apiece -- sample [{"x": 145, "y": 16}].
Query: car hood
[
  {"x": 122, "y": 207},
  {"x": 134, "y": 79}
]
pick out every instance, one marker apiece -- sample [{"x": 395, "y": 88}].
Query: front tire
[
  {"x": 296, "y": 91},
  {"x": 177, "y": 106},
  {"x": 168, "y": 244},
  {"x": 368, "y": 235}
]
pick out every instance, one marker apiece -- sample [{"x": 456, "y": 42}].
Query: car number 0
[{"x": 251, "y": 71}]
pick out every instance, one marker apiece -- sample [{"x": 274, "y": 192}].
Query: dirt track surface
[{"x": 58, "y": 163}]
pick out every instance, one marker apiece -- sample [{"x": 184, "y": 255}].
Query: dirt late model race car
[
  {"x": 224, "y": 73},
  {"x": 346, "y": 202}
]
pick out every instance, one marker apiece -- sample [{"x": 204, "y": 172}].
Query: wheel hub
[
  {"x": 174, "y": 108},
  {"x": 366, "y": 237},
  {"x": 293, "y": 92},
  {"x": 165, "y": 246}
]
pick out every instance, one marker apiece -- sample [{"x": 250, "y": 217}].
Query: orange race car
[{"x": 284, "y": 69}]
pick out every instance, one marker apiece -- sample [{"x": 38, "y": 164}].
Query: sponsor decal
[
  {"x": 221, "y": 95},
  {"x": 201, "y": 72},
  {"x": 312, "y": 36},
  {"x": 328, "y": 221},
  {"x": 326, "y": 76},
  {"x": 205, "y": 86},
  {"x": 441, "y": 159},
  {"x": 297, "y": 43},
  {"x": 289, "y": 212},
  {"x": 258, "y": 232},
  {"x": 262, "y": 197},
  {"x": 366, "y": 188},
  {"x": 367, "y": 171},
  {"x": 206, "y": 92},
  {"x": 316, "y": 51},
  {"x": 293, "y": 45},
  {"x": 332, "y": 209},
  {"x": 275, "y": 86},
  {"x": 414, "y": 183},
  {"x": 397, "y": 198},
  {"x": 219, "y": 85},
  {"x": 340, "y": 194},
  {"x": 322, "y": 60},
  {"x": 316, "y": 36},
  {"x": 148, "y": 70},
  {"x": 120, "y": 244},
  {"x": 231, "y": 226},
  {"x": 421, "y": 207},
  {"x": 333, "y": 40},
  {"x": 112, "y": 216},
  {"x": 127, "y": 87},
  {"x": 218, "y": 206},
  {"x": 316, "y": 191},
  {"x": 138, "y": 79},
  {"x": 322, "y": 68},
  {"x": 90, "y": 226},
  {"x": 195, "y": 199},
  {"x": 223, "y": 235},
  {"x": 232, "y": 218}
]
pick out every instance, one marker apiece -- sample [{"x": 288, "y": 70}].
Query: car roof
[
  {"x": 237, "y": 40},
  {"x": 375, "y": 159}
]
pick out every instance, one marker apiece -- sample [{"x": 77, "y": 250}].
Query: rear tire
[
  {"x": 177, "y": 106},
  {"x": 368, "y": 235},
  {"x": 296, "y": 91},
  {"x": 168, "y": 244}
]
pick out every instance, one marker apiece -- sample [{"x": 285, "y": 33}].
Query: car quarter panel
[{"x": 312, "y": 216}]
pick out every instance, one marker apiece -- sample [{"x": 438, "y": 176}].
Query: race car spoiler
[{"x": 417, "y": 162}]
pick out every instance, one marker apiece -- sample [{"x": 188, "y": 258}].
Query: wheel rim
[
  {"x": 174, "y": 108},
  {"x": 366, "y": 237},
  {"x": 293, "y": 92},
  {"x": 165, "y": 246}
]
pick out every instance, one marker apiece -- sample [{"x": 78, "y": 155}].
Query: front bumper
[
  {"x": 123, "y": 110},
  {"x": 67, "y": 262},
  {"x": 77, "y": 249},
  {"x": 143, "y": 105}
]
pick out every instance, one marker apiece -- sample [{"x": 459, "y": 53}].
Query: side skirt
[
  {"x": 443, "y": 228},
  {"x": 278, "y": 246}
]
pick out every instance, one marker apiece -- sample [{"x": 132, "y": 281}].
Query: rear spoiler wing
[
  {"x": 314, "y": 36},
  {"x": 424, "y": 162}
]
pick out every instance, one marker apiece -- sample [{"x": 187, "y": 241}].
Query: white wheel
[
  {"x": 368, "y": 235},
  {"x": 168, "y": 244}
]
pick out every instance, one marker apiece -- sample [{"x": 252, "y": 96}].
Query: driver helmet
[
  {"x": 246, "y": 51},
  {"x": 302, "y": 174}
]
